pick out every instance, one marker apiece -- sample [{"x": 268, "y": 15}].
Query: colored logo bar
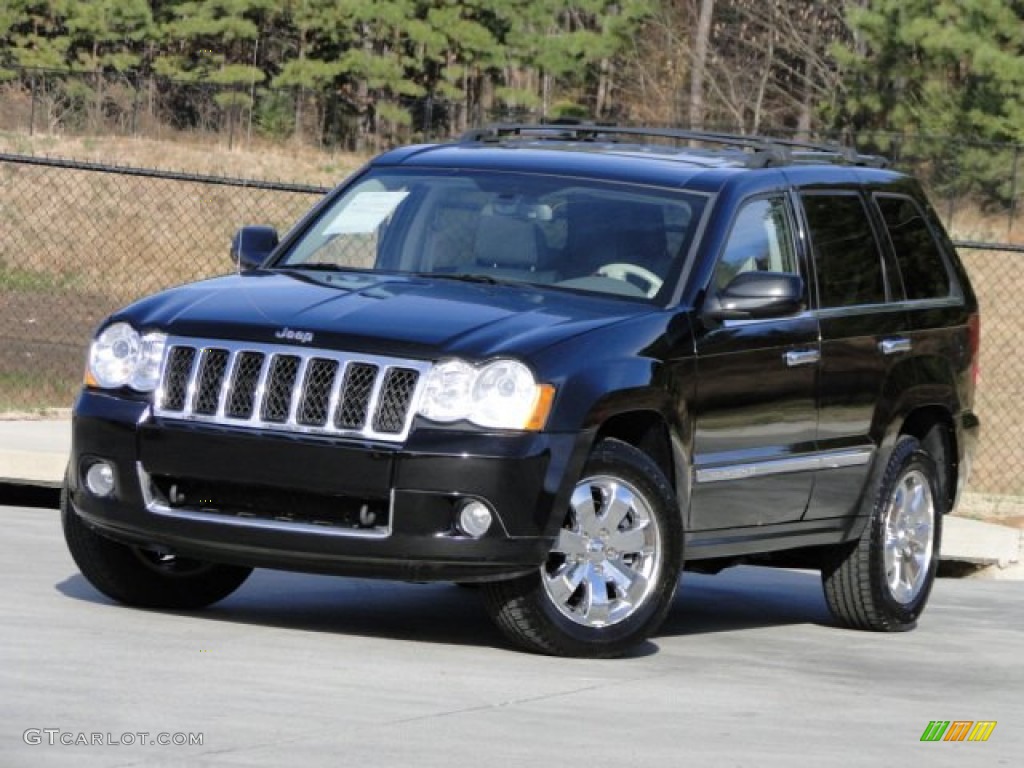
[{"x": 958, "y": 730}]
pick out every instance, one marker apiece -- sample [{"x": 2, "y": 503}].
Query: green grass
[
  {"x": 27, "y": 392},
  {"x": 21, "y": 279}
]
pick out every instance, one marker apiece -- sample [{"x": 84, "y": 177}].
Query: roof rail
[{"x": 761, "y": 151}]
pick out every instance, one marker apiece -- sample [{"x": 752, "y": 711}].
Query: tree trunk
[
  {"x": 604, "y": 88},
  {"x": 699, "y": 66},
  {"x": 297, "y": 128},
  {"x": 803, "y": 123}
]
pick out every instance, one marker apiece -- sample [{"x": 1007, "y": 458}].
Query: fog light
[
  {"x": 475, "y": 518},
  {"x": 99, "y": 479}
]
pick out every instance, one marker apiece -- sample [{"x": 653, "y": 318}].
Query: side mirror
[
  {"x": 757, "y": 295},
  {"x": 251, "y": 245}
]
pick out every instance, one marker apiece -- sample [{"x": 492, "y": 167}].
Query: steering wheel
[{"x": 620, "y": 271}]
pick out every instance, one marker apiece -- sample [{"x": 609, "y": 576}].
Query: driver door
[{"x": 756, "y": 411}]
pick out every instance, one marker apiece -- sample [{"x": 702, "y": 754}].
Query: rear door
[
  {"x": 864, "y": 333},
  {"x": 755, "y": 402}
]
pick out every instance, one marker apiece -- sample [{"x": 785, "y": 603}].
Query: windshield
[{"x": 568, "y": 233}]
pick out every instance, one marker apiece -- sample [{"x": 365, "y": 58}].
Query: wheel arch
[
  {"x": 934, "y": 428},
  {"x": 645, "y": 430},
  {"x": 656, "y": 432}
]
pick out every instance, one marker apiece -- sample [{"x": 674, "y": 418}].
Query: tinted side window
[
  {"x": 760, "y": 240},
  {"x": 846, "y": 256},
  {"x": 921, "y": 263}
]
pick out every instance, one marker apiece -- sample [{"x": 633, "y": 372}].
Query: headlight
[
  {"x": 502, "y": 394},
  {"x": 120, "y": 357}
]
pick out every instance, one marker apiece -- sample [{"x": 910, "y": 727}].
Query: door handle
[
  {"x": 797, "y": 357},
  {"x": 894, "y": 346}
]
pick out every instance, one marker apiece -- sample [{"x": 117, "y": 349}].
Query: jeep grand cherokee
[{"x": 564, "y": 362}]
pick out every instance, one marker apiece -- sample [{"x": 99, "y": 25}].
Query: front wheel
[
  {"x": 145, "y": 577},
  {"x": 882, "y": 581},
  {"x": 610, "y": 577}
]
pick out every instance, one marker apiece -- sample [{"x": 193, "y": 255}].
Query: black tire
[
  {"x": 530, "y": 616},
  {"x": 143, "y": 578},
  {"x": 858, "y": 587}
]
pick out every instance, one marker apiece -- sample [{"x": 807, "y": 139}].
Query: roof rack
[{"x": 759, "y": 151}]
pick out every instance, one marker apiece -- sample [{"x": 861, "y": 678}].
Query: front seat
[{"x": 510, "y": 247}]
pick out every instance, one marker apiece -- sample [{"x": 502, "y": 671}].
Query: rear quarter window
[{"x": 921, "y": 264}]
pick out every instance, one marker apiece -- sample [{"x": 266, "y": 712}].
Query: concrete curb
[{"x": 32, "y": 468}]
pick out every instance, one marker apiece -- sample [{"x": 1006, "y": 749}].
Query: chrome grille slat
[
  {"x": 261, "y": 388},
  {"x": 289, "y": 388},
  {"x": 295, "y": 396},
  {"x": 226, "y": 383}
]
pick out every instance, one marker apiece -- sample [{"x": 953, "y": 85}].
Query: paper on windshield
[{"x": 365, "y": 212}]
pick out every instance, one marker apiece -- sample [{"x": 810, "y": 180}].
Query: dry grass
[{"x": 260, "y": 160}]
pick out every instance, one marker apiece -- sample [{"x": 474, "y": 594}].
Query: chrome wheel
[
  {"x": 607, "y": 558},
  {"x": 909, "y": 536}
]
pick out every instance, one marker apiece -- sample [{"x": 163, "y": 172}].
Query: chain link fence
[
  {"x": 998, "y": 279},
  {"x": 78, "y": 240}
]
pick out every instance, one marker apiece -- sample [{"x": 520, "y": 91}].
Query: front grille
[{"x": 289, "y": 388}]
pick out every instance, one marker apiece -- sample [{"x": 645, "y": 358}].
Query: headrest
[{"x": 506, "y": 241}]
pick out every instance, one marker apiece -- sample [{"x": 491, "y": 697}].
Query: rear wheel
[
  {"x": 883, "y": 581},
  {"x": 612, "y": 573},
  {"x": 145, "y": 577}
]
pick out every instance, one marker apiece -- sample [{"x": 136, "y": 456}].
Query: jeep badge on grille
[{"x": 303, "y": 337}]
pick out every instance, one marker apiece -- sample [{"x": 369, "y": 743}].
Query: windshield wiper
[
  {"x": 321, "y": 266},
  {"x": 467, "y": 277}
]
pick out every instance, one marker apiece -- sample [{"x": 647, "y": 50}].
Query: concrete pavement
[
  {"x": 296, "y": 670},
  {"x": 35, "y": 452}
]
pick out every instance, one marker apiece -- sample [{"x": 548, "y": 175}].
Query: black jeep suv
[{"x": 564, "y": 362}]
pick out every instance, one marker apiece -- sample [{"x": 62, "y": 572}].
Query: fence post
[
  {"x": 954, "y": 185},
  {"x": 32, "y": 111},
  {"x": 135, "y": 81},
  {"x": 1013, "y": 192},
  {"x": 231, "y": 122}
]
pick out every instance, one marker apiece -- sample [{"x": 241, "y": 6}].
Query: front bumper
[{"x": 416, "y": 490}]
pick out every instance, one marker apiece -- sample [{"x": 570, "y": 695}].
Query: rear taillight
[{"x": 974, "y": 339}]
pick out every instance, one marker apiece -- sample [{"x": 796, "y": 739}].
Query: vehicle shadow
[
  {"x": 436, "y": 613},
  {"x": 746, "y": 597},
  {"x": 734, "y": 600}
]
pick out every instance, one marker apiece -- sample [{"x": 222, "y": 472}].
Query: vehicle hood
[{"x": 378, "y": 313}]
